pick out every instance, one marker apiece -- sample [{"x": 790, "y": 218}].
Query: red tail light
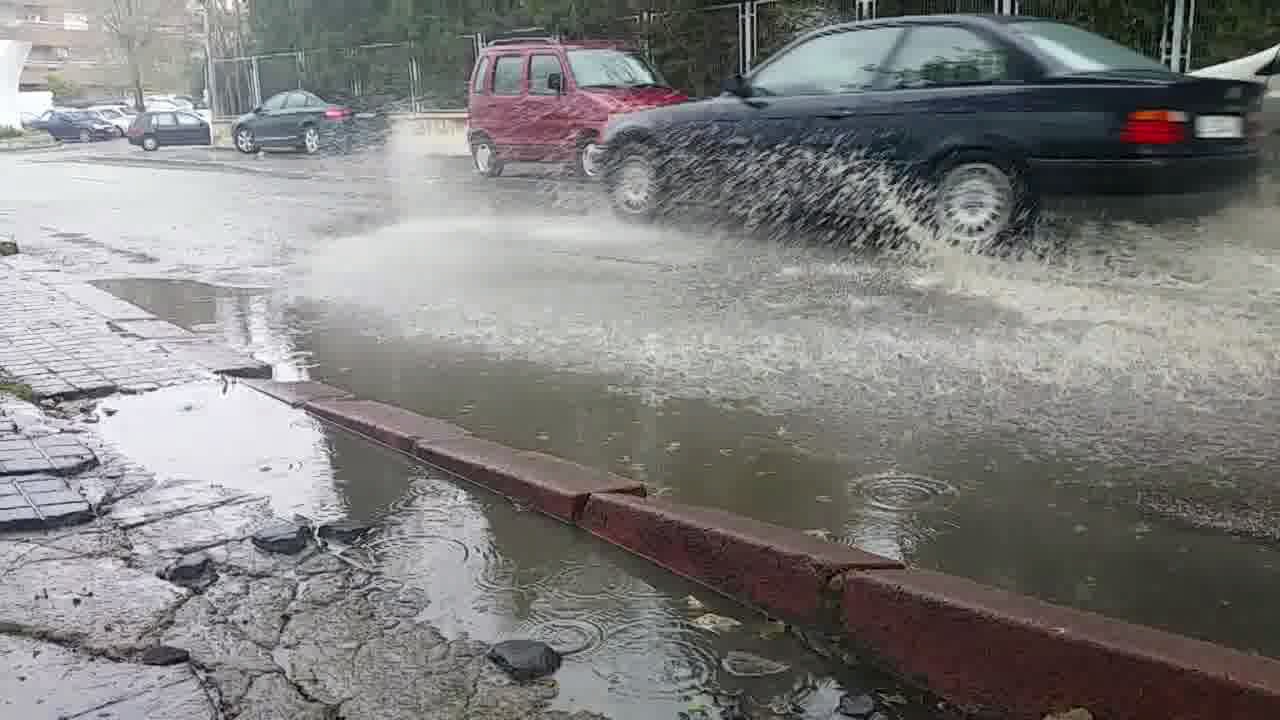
[
  {"x": 337, "y": 113},
  {"x": 1155, "y": 127}
]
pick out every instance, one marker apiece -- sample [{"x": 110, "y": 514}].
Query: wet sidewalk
[{"x": 174, "y": 544}]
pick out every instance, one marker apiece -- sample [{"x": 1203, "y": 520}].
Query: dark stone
[
  {"x": 858, "y": 706},
  {"x": 525, "y": 660},
  {"x": 347, "y": 532},
  {"x": 164, "y": 655},
  {"x": 8, "y": 247},
  {"x": 194, "y": 571},
  {"x": 284, "y": 538}
]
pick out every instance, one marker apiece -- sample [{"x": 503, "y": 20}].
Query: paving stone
[{"x": 40, "y": 501}]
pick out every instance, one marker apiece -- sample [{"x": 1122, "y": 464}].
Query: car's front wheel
[
  {"x": 245, "y": 141},
  {"x": 982, "y": 205},
  {"x": 633, "y": 184},
  {"x": 150, "y": 144},
  {"x": 588, "y": 161},
  {"x": 484, "y": 155}
]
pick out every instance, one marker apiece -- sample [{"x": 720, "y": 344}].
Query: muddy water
[
  {"x": 1094, "y": 426},
  {"x": 643, "y": 642}
]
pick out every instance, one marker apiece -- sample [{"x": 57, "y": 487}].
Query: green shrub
[{"x": 9, "y": 133}]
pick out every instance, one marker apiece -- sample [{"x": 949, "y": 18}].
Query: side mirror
[
  {"x": 737, "y": 85},
  {"x": 555, "y": 81},
  {"x": 257, "y": 110}
]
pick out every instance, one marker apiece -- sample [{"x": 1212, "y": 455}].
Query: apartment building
[{"x": 67, "y": 41}]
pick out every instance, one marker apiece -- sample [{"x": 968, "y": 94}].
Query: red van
[{"x": 537, "y": 99}]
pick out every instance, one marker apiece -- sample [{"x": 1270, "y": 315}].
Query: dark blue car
[
  {"x": 971, "y": 119},
  {"x": 79, "y": 125}
]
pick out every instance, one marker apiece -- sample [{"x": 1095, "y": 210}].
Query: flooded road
[{"x": 1095, "y": 428}]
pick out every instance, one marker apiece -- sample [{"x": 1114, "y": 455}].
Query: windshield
[
  {"x": 1083, "y": 51},
  {"x": 612, "y": 68}
]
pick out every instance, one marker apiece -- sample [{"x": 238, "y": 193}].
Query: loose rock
[
  {"x": 745, "y": 664},
  {"x": 8, "y": 247},
  {"x": 347, "y": 532},
  {"x": 283, "y": 538},
  {"x": 161, "y": 655},
  {"x": 1074, "y": 714},
  {"x": 716, "y": 623},
  {"x": 194, "y": 571},
  {"x": 859, "y": 706},
  {"x": 525, "y": 660}
]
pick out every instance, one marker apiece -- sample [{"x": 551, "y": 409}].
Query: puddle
[{"x": 492, "y": 571}]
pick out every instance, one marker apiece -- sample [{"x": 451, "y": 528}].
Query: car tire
[
  {"x": 245, "y": 141},
  {"x": 983, "y": 203},
  {"x": 485, "y": 159},
  {"x": 86, "y": 136},
  {"x": 587, "y": 159},
  {"x": 634, "y": 184},
  {"x": 119, "y": 132},
  {"x": 309, "y": 143},
  {"x": 150, "y": 143}
]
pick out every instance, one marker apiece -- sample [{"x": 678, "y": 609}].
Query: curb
[{"x": 986, "y": 651}]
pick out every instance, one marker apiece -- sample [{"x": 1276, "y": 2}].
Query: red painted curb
[
  {"x": 549, "y": 484},
  {"x": 780, "y": 570},
  {"x": 298, "y": 393},
  {"x": 387, "y": 424},
  {"x": 984, "y": 649}
]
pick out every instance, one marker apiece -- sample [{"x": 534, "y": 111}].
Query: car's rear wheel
[
  {"x": 633, "y": 184},
  {"x": 485, "y": 156},
  {"x": 588, "y": 160},
  {"x": 981, "y": 204},
  {"x": 86, "y": 136},
  {"x": 150, "y": 144},
  {"x": 119, "y": 132},
  {"x": 311, "y": 140},
  {"x": 245, "y": 142}
]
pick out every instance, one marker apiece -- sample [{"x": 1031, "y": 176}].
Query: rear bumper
[{"x": 1144, "y": 176}]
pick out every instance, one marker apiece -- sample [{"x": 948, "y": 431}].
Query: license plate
[
  {"x": 1219, "y": 126},
  {"x": 365, "y": 116}
]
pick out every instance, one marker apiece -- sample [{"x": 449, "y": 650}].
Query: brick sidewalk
[{"x": 67, "y": 339}]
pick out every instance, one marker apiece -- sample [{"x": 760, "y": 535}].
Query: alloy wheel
[
  {"x": 975, "y": 203},
  {"x": 311, "y": 140},
  {"x": 634, "y": 186}
]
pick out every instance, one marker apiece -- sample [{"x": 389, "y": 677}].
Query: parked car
[
  {"x": 297, "y": 119},
  {"x": 542, "y": 100},
  {"x": 153, "y": 130},
  {"x": 80, "y": 125},
  {"x": 39, "y": 121},
  {"x": 993, "y": 113},
  {"x": 114, "y": 115}
]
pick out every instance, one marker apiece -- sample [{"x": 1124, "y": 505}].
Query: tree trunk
[{"x": 136, "y": 70}]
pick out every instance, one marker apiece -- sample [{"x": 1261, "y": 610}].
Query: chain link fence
[{"x": 696, "y": 49}]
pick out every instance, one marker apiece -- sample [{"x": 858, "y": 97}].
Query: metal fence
[{"x": 697, "y": 49}]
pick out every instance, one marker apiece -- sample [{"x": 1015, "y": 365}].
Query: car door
[
  {"x": 165, "y": 127},
  {"x": 506, "y": 126},
  {"x": 811, "y": 121},
  {"x": 297, "y": 110},
  {"x": 950, "y": 87},
  {"x": 268, "y": 122},
  {"x": 544, "y": 106},
  {"x": 191, "y": 129}
]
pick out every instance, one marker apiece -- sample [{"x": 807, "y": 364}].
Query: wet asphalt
[{"x": 1093, "y": 426}]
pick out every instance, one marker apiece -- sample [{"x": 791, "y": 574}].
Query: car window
[
  {"x": 482, "y": 70},
  {"x": 163, "y": 120},
  {"x": 839, "y": 62},
  {"x": 542, "y": 67},
  {"x": 296, "y": 100},
  {"x": 275, "y": 102},
  {"x": 946, "y": 55},
  {"x": 506, "y": 75},
  {"x": 1082, "y": 51},
  {"x": 314, "y": 100},
  {"x": 189, "y": 120}
]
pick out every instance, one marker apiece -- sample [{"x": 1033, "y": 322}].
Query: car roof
[{"x": 525, "y": 44}]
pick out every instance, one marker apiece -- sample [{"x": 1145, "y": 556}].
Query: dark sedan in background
[
  {"x": 79, "y": 125},
  {"x": 300, "y": 120},
  {"x": 986, "y": 114},
  {"x": 153, "y": 130}
]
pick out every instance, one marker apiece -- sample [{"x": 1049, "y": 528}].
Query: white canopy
[{"x": 1258, "y": 67}]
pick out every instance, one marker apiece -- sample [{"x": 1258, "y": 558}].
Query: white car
[
  {"x": 161, "y": 105},
  {"x": 114, "y": 115}
]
